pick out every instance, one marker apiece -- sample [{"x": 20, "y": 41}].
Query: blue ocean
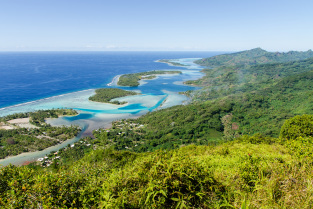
[{"x": 28, "y": 76}]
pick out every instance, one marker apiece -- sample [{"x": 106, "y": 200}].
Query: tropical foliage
[{"x": 249, "y": 172}]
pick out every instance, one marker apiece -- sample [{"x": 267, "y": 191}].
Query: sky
[{"x": 155, "y": 25}]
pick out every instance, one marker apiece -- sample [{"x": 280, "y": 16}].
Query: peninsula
[{"x": 134, "y": 78}]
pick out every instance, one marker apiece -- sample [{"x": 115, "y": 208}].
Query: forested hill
[
  {"x": 232, "y": 76},
  {"x": 252, "y": 57}
]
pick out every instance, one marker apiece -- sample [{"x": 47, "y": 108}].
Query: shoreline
[
  {"x": 85, "y": 130},
  {"x": 114, "y": 80}
]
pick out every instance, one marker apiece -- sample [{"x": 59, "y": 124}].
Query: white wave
[{"x": 44, "y": 99}]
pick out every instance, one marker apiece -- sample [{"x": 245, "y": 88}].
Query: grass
[{"x": 250, "y": 172}]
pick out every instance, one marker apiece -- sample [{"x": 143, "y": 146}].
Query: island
[
  {"x": 106, "y": 95},
  {"x": 134, "y": 78}
]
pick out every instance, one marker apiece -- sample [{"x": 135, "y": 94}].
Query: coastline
[
  {"x": 43, "y": 99},
  {"x": 112, "y": 83},
  {"x": 165, "y": 102}
]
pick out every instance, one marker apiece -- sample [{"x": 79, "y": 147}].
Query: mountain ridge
[{"x": 253, "y": 57}]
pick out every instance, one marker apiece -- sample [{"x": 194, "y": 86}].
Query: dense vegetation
[
  {"x": 19, "y": 140},
  {"x": 261, "y": 111},
  {"x": 244, "y": 142},
  {"x": 106, "y": 95},
  {"x": 252, "y": 57},
  {"x": 167, "y": 129},
  {"x": 249, "y": 172},
  {"x": 133, "y": 79},
  {"x": 227, "y": 77}
]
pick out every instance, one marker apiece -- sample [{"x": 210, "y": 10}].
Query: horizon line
[{"x": 116, "y": 51}]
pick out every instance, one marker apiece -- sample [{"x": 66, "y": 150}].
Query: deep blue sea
[{"x": 28, "y": 76}]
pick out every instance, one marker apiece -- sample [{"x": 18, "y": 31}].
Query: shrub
[{"x": 298, "y": 126}]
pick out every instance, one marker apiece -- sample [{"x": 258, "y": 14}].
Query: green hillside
[
  {"x": 245, "y": 141},
  {"x": 253, "y": 57},
  {"x": 249, "y": 172},
  {"x": 228, "y": 80}
]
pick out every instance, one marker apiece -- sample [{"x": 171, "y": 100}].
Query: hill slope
[
  {"x": 250, "y": 172},
  {"x": 253, "y": 57}
]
